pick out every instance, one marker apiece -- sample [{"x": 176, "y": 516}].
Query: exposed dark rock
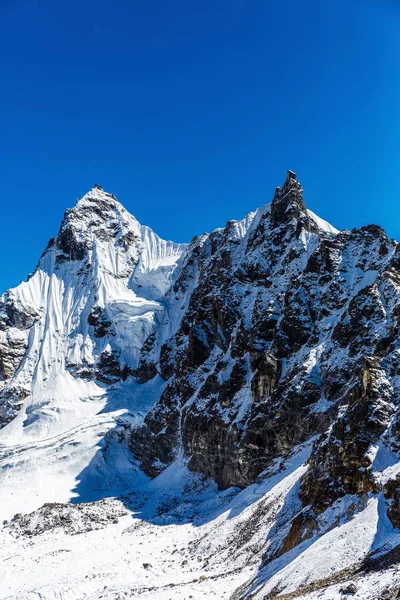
[
  {"x": 266, "y": 302},
  {"x": 392, "y": 495},
  {"x": 348, "y": 590},
  {"x": 70, "y": 518},
  {"x": 167, "y": 360},
  {"x": 100, "y": 321},
  {"x": 70, "y": 247},
  {"x": 108, "y": 368},
  {"x": 288, "y": 202},
  {"x": 148, "y": 362},
  {"x": 339, "y": 464},
  {"x": 13, "y": 315},
  {"x": 156, "y": 442}
]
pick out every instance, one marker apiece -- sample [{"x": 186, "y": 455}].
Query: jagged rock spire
[{"x": 288, "y": 201}]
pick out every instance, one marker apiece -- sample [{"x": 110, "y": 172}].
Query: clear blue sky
[{"x": 191, "y": 112}]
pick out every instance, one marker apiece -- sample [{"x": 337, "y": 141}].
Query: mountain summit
[
  {"x": 103, "y": 270},
  {"x": 244, "y": 386}
]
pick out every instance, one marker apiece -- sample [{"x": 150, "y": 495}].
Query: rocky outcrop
[
  {"x": 100, "y": 322},
  {"x": 340, "y": 463},
  {"x": 72, "y": 519},
  {"x": 392, "y": 496},
  {"x": 15, "y": 323}
]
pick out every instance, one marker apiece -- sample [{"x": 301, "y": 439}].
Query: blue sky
[{"x": 191, "y": 112}]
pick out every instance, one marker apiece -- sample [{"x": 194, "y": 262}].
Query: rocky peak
[
  {"x": 96, "y": 206},
  {"x": 99, "y": 218},
  {"x": 288, "y": 202}
]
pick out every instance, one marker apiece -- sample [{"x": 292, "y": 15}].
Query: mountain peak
[
  {"x": 290, "y": 175},
  {"x": 288, "y": 202},
  {"x": 98, "y": 194},
  {"x": 96, "y": 216}
]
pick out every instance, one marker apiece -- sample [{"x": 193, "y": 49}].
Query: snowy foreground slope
[{"x": 218, "y": 419}]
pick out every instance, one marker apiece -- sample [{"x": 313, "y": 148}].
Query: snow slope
[{"x": 179, "y": 537}]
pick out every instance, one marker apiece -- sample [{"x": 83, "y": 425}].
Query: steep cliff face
[{"x": 282, "y": 311}]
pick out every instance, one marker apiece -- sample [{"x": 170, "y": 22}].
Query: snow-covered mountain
[
  {"x": 229, "y": 409},
  {"x": 87, "y": 310}
]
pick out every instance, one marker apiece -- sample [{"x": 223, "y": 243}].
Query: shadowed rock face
[
  {"x": 290, "y": 333},
  {"x": 288, "y": 204},
  {"x": 15, "y": 323}
]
